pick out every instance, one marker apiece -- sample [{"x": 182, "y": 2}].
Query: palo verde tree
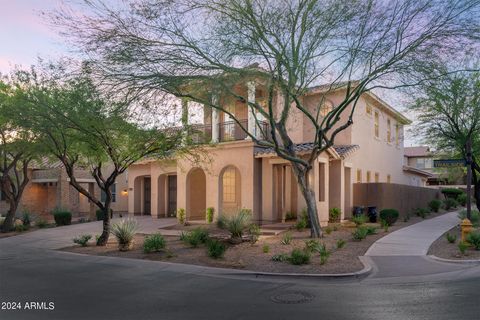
[
  {"x": 18, "y": 148},
  {"x": 85, "y": 128},
  {"x": 206, "y": 49},
  {"x": 448, "y": 111}
]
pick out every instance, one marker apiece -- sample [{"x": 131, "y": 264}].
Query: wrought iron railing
[{"x": 200, "y": 133}]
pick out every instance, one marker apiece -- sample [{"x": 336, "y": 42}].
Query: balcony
[{"x": 227, "y": 131}]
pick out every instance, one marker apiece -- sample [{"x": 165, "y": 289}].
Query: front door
[
  {"x": 172, "y": 195},
  {"x": 147, "y": 196}
]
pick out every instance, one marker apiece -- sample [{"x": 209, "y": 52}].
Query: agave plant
[
  {"x": 124, "y": 231},
  {"x": 237, "y": 224}
]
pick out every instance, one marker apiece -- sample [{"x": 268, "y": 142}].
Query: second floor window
[
  {"x": 397, "y": 134},
  {"x": 368, "y": 176},
  {"x": 359, "y": 176},
  {"x": 389, "y": 179},
  {"x": 113, "y": 189},
  {"x": 389, "y": 130},
  {"x": 368, "y": 108},
  {"x": 326, "y": 108},
  {"x": 377, "y": 124},
  {"x": 377, "y": 177}
]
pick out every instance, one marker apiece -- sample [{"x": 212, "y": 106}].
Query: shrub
[
  {"x": 82, "y": 239},
  {"x": 154, "y": 243},
  {"x": 286, "y": 239},
  {"x": 328, "y": 230},
  {"x": 422, "y": 212},
  {"x": 280, "y": 257},
  {"x": 462, "y": 199},
  {"x": 451, "y": 238},
  {"x": 360, "y": 233},
  {"x": 324, "y": 253},
  {"x": 371, "y": 230},
  {"x": 41, "y": 223},
  {"x": 215, "y": 248},
  {"x": 290, "y": 215},
  {"x": 266, "y": 248},
  {"x": 384, "y": 225},
  {"x": 181, "y": 215},
  {"x": 209, "y": 214},
  {"x": 254, "y": 232},
  {"x": 462, "y": 246},
  {"x": 20, "y": 228},
  {"x": 62, "y": 217},
  {"x": 26, "y": 219},
  {"x": 334, "y": 215},
  {"x": 304, "y": 216},
  {"x": 237, "y": 223},
  {"x": 312, "y": 245},
  {"x": 474, "y": 217},
  {"x": 450, "y": 203},
  {"x": 359, "y": 220},
  {"x": 195, "y": 237},
  {"x": 474, "y": 239},
  {"x": 335, "y": 227},
  {"x": 300, "y": 225},
  {"x": 390, "y": 216},
  {"x": 124, "y": 230},
  {"x": 299, "y": 257},
  {"x": 435, "y": 205},
  {"x": 99, "y": 214},
  {"x": 341, "y": 243},
  {"x": 452, "y": 193}
]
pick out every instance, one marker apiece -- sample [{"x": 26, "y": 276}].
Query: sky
[{"x": 26, "y": 35}]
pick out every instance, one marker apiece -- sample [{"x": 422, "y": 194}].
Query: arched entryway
[
  {"x": 142, "y": 195},
  {"x": 196, "y": 194},
  {"x": 230, "y": 190}
]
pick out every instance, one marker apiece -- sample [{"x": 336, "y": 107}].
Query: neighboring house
[
  {"x": 50, "y": 188},
  {"x": 243, "y": 175},
  {"x": 420, "y": 159}
]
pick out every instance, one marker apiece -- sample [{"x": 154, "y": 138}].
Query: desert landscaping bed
[
  {"x": 256, "y": 257},
  {"x": 442, "y": 248}
]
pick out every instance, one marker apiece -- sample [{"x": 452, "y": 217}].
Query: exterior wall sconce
[{"x": 124, "y": 192}]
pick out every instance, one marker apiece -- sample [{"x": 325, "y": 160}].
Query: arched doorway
[
  {"x": 196, "y": 194},
  {"x": 142, "y": 195},
  {"x": 230, "y": 190},
  {"x": 167, "y": 195}
]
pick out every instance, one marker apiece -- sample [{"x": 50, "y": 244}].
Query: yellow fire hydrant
[{"x": 466, "y": 227}]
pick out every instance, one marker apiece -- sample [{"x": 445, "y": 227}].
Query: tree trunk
[
  {"x": 102, "y": 241},
  {"x": 476, "y": 194},
  {"x": 10, "y": 218},
  {"x": 309, "y": 196}
]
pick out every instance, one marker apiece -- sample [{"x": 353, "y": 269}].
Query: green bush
[
  {"x": 195, "y": 237},
  {"x": 360, "y": 233},
  {"x": 474, "y": 239},
  {"x": 154, "y": 243},
  {"x": 280, "y": 257},
  {"x": 266, "y": 248},
  {"x": 20, "y": 228},
  {"x": 299, "y": 257},
  {"x": 312, "y": 245},
  {"x": 384, "y": 225},
  {"x": 290, "y": 216},
  {"x": 359, "y": 220},
  {"x": 435, "y": 205},
  {"x": 209, "y": 214},
  {"x": 474, "y": 217},
  {"x": 62, "y": 217},
  {"x": 181, "y": 215},
  {"x": 328, "y": 230},
  {"x": 124, "y": 230},
  {"x": 304, "y": 216},
  {"x": 215, "y": 248},
  {"x": 451, "y": 238},
  {"x": 334, "y": 215},
  {"x": 41, "y": 223},
  {"x": 286, "y": 239},
  {"x": 82, "y": 239},
  {"x": 99, "y": 214},
  {"x": 462, "y": 246},
  {"x": 341, "y": 243},
  {"x": 371, "y": 230},
  {"x": 450, "y": 203},
  {"x": 390, "y": 216},
  {"x": 452, "y": 193},
  {"x": 462, "y": 199},
  {"x": 237, "y": 223},
  {"x": 26, "y": 219},
  {"x": 422, "y": 212},
  {"x": 300, "y": 225},
  {"x": 254, "y": 233},
  {"x": 324, "y": 253}
]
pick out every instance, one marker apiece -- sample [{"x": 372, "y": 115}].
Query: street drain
[{"x": 292, "y": 297}]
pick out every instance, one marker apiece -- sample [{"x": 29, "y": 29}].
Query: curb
[
  {"x": 473, "y": 261},
  {"x": 367, "y": 269}
]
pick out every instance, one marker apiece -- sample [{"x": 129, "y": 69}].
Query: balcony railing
[
  {"x": 228, "y": 131},
  {"x": 201, "y": 133}
]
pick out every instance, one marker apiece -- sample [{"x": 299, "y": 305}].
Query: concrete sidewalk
[{"x": 415, "y": 239}]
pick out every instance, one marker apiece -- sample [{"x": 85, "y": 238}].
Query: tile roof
[
  {"x": 342, "y": 150},
  {"x": 420, "y": 151}
]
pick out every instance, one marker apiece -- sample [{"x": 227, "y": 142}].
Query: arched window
[
  {"x": 230, "y": 185},
  {"x": 326, "y": 107}
]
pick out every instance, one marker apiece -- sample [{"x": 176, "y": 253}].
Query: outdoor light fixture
[{"x": 124, "y": 192}]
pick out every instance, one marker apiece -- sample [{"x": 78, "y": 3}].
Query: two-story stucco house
[{"x": 243, "y": 175}]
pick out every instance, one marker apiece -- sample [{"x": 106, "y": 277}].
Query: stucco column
[
  {"x": 251, "y": 116},
  {"x": 184, "y": 112},
  {"x": 215, "y": 120}
]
